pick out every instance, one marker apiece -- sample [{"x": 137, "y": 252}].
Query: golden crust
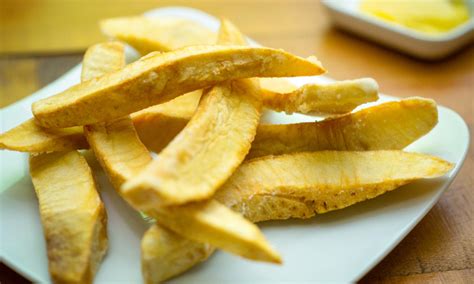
[
  {"x": 30, "y": 137},
  {"x": 73, "y": 216},
  {"x": 302, "y": 184},
  {"x": 333, "y": 98},
  {"x": 392, "y": 125},
  {"x": 162, "y": 77}
]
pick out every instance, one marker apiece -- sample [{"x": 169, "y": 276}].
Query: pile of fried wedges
[{"x": 196, "y": 99}]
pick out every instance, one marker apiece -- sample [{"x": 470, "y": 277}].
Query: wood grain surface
[{"x": 440, "y": 249}]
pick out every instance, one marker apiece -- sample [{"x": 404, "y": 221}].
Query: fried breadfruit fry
[
  {"x": 30, "y": 137},
  {"x": 73, "y": 216},
  {"x": 162, "y": 77},
  {"x": 191, "y": 167},
  {"x": 157, "y": 34},
  {"x": 411, "y": 117},
  {"x": 302, "y": 184},
  {"x": 211, "y": 222},
  {"x": 299, "y": 185},
  {"x": 229, "y": 34},
  {"x": 334, "y": 98},
  {"x": 166, "y": 254},
  {"x": 166, "y": 34},
  {"x": 122, "y": 155},
  {"x": 170, "y": 117},
  {"x": 391, "y": 125},
  {"x": 101, "y": 59}
]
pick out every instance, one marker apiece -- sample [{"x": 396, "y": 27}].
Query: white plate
[
  {"x": 339, "y": 246},
  {"x": 347, "y": 15}
]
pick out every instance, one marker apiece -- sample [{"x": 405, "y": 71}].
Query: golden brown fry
[
  {"x": 122, "y": 155},
  {"x": 302, "y": 184},
  {"x": 213, "y": 223},
  {"x": 170, "y": 118},
  {"x": 192, "y": 167},
  {"x": 157, "y": 34},
  {"x": 230, "y": 34},
  {"x": 101, "y": 59},
  {"x": 166, "y": 254},
  {"x": 165, "y": 34},
  {"x": 29, "y": 137},
  {"x": 415, "y": 116},
  {"x": 392, "y": 125},
  {"x": 73, "y": 216},
  {"x": 333, "y": 98},
  {"x": 162, "y": 77}
]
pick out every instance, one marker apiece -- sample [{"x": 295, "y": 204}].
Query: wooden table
[{"x": 441, "y": 247}]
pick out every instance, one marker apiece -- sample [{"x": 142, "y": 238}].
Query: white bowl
[{"x": 347, "y": 15}]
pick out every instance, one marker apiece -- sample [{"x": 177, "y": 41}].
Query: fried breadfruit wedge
[
  {"x": 73, "y": 216},
  {"x": 171, "y": 117},
  {"x": 122, "y": 155},
  {"x": 302, "y": 184},
  {"x": 166, "y": 34},
  {"x": 166, "y": 254},
  {"x": 162, "y": 77},
  {"x": 30, "y": 137},
  {"x": 157, "y": 34},
  {"x": 333, "y": 98},
  {"x": 297, "y": 185},
  {"x": 409, "y": 118},
  {"x": 211, "y": 222},
  {"x": 388, "y": 126},
  {"x": 191, "y": 167}
]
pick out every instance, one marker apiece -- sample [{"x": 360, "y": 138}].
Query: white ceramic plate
[
  {"x": 346, "y": 14},
  {"x": 339, "y": 246}
]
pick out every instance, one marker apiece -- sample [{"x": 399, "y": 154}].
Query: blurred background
[{"x": 42, "y": 39}]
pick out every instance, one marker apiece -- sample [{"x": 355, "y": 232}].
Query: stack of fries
[{"x": 196, "y": 99}]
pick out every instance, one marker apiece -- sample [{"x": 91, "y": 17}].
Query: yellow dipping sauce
[{"x": 427, "y": 16}]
